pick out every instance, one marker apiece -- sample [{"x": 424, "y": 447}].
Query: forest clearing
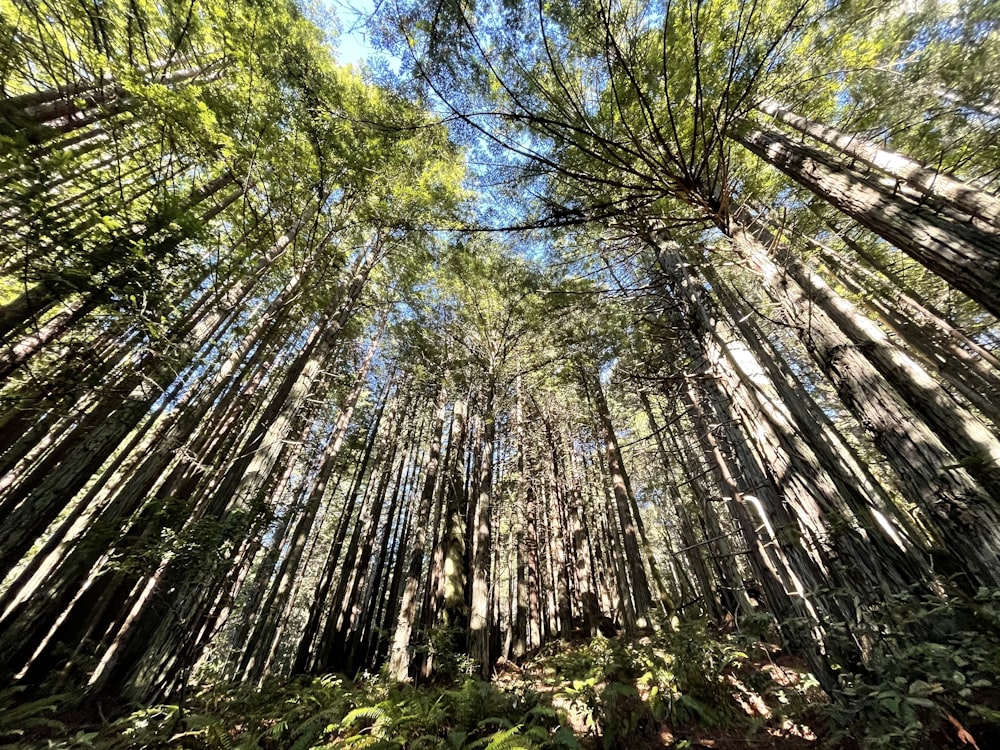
[{"x": 578, "y": 373}]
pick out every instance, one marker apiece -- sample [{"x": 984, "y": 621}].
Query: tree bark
[
  {"x": 929, "y": 474},
  {"x": 964, "y": 197},
  {"x": 624, "y": 504},
  {"x": 973, "y": 445},
  {"x": 965, "y": 256},
  {"x": 400, "y": 656},
  {"x": 480, "y": 624}
]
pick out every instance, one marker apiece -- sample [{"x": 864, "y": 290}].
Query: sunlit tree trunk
[
  {"x": 744, "y": 487},
  {"x": 929, "y": 474},
  {"x": 453, "y": 607},
  {"x": 965, "y": 256},
  {"x": 400, "y": 656},
  {"x": 627, "y": 512},
  {"x": 306, "y": 651},
  {"x": 929, "y": 182},
  {"x": 480, "y": 621},
  {"x": 960, "y": 361},
  {"x": 255, "y": 661},
  {"x": 693, "y": 552}
]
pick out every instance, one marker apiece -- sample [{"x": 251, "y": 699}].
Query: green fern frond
[
  {"x": 542, "y": 711},
  {"x": 376, "y": 714},
  {"x": 431, "y": 740},
  {"x": 537, "y": 734},
  {"x": 564, "y": 737},
  {"x": 14, "y": 719},
  {"x": 219, "y": 738},
  {"x": 495, "y": 721},
  {"x": 309, "y": 731},
  {"x": 330, "y": 680},
  {"x": 212, "y": 737},
  {"x": 358, "y": 741},
  {"x": 501, "y": 740}
]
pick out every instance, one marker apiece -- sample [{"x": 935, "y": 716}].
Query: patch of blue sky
[{"x": 345, "y": 22}]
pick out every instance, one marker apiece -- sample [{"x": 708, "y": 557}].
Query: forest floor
[
  {"x": 678, "y": 689},
  {"x": 760, "y": 719}
]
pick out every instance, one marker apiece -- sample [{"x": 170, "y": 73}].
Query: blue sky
[{"x": 352, "y": 45}]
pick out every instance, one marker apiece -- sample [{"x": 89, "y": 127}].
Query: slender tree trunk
[
  {"x": 454, "y": 610},
  {"x": 590, "y": 607},
  {"x": 480, "y": 622},
  {"x": 17, "y": 354},
  {"x": 333, "y": 649},
  {"x": 253, "y": 663},
  {"x": 929, "y": 182},
  {"x": 305, "y": 655},
  {"x": 521, "y": 603},
  {"x": 954, "y": 355},
  {"x": 965, "y": 256},
  {"x": 687, "y": 532},
  {"x": 960, "y": 509},
  {"x": 400, "y": 655},
  {"x": 615, "y": 549},
  {"x": 365, "y": 618},
  {"x": 624, "y": 504}
]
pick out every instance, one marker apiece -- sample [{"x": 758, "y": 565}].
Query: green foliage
[
  {"x": 308, "y": 713},
  {"x": 625, "y": 690},
  {"x": 295, "y": 714},
  {"x": 473, "y": 715},
  {"x": 935, "y": 670},
  {"x": 622, "y": 693},
  {"x": 19, "y": 719}
]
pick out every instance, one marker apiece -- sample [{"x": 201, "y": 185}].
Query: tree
[{"x": 275, "y": 401}]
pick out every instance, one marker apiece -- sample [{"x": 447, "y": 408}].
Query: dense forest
[{"x": 573, "y": 373}]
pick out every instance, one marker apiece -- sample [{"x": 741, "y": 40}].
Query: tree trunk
[
  {"x": 965, "y": 256},
  {"x": 929, "y": 474},
  {"x": 400, "y": 657},
  {"x": 624, "y": 503},
  {"x": 305, "y": 655},
  {"x": 694, "y": 556},
  {"x": 253, "y": 664},
  {"x": 454, "y": 610},
  {"x": 964, "y": 197},
  {"x": 480, "y": 624},
  {"x": 955, "y": 356}
]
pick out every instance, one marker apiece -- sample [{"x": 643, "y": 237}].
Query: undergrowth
[
  {"x": 681, "y": 677},
  {"x": 929, "y": 683},
  {"x": 322, "y": 712},
  {"x": 610, "y": 692},
  {"x": 933, "y": 679}
]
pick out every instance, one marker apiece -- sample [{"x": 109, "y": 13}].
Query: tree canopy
[{"x": 594, "y": 319}]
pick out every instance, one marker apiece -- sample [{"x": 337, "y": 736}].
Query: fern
[
  {"x": 309, "y": 731},
  {"x": 495, "y": 721},
  {"x": 358, "y": 741},
  {"x": 430, "y": 740},
  {"x": 16, "y": 719},
  {"x": 219, "y": 738},
  {"x": 564, "y": 737},
  {"x": 700, "y": 712},
  {"x": 377, "y": 714},
  {"x": 211, "y": 729},
  {"x": 213, "y": 737},
  {"x": 330, "y": 681},
  {"x": 542, "y": 711},
  {"x": 501, "y": 740}
]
